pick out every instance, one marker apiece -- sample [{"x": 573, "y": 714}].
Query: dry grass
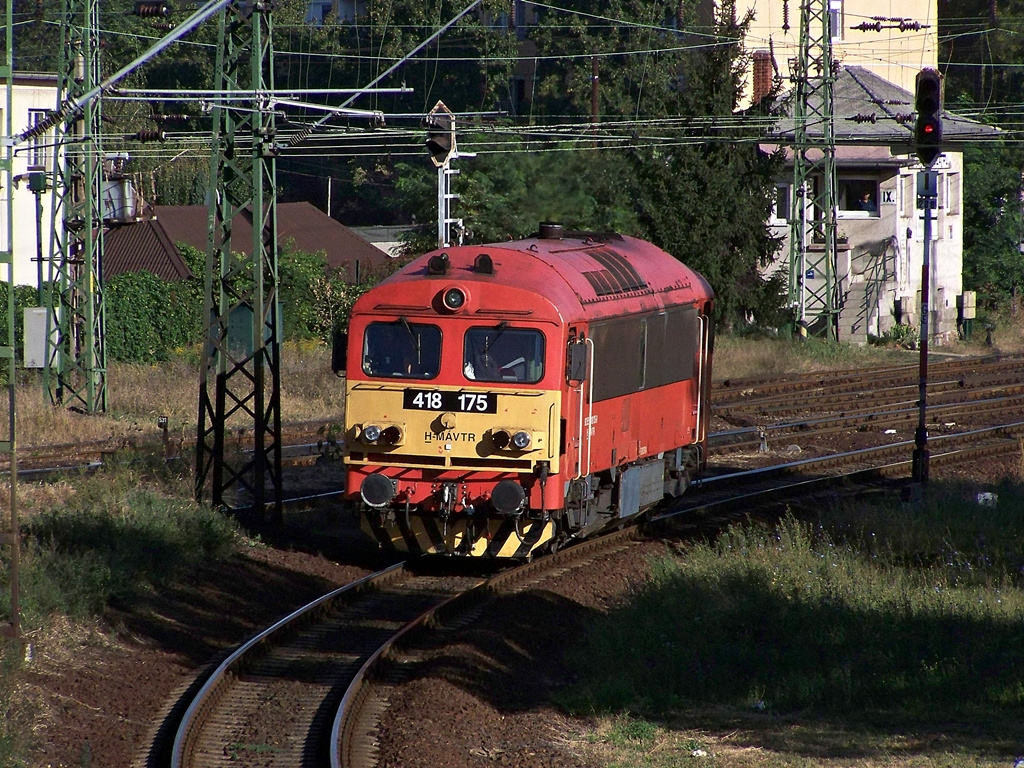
[
  {"x": 139, "y": 394},
  {"x": 746, "y": 358}
]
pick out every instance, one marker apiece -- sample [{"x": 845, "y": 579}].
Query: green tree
[
  {"x": 983, "y": 41},
  {"x": 994, "y": 224},
  {"x": 704, "y": 199}
]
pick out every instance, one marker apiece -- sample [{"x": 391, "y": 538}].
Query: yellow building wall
[{"x": 894, "y": 55}]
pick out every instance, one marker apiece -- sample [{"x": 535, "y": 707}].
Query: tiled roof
[
  {"x": 150, "y": 244},
  {"x": 859, "y": 93}
]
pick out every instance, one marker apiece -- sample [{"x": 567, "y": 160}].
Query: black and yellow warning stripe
[{"x": 495, "y": 537}]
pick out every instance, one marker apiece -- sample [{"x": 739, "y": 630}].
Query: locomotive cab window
[
  {"x": 402, "y": 350},
  {"x": 500, "y": 353}
]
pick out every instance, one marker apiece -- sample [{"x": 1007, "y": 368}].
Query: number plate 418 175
[{"x": 446, "y": 400}]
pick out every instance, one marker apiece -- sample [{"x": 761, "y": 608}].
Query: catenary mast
[{"x": 812, "y": 255}]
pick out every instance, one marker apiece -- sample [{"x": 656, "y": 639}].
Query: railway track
[
  {"x": 271, "y": 702},
  {"x": 804, "y": 406},
  {"x": 308, "y": 690}
]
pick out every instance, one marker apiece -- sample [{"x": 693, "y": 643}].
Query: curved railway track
[
  {"x": 308, "y": 690},
  {"x": 271, "y": 702}
]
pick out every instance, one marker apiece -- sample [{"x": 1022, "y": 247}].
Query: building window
[
  {"x": 37, "y": 145},
  {"x": 953, "y": 180},
  {"x": 858, "y": 198},
  {"x": 836, "y": 18},
  {"x": 907, "y": 203},
  {"x": 781, "y": 204}
]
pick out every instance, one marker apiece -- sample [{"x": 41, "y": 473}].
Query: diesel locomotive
[{"x": 502, "y": 399}]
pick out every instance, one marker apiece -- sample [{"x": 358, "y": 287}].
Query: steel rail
[
  {"x": 740, "y": 487},
  {"x": 347, "y": 751},
  {"x": 727, "y": 442},
  {"x": 187, "y": 732}
]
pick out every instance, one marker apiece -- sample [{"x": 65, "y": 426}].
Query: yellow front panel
[{"x": 452, "y": 438}]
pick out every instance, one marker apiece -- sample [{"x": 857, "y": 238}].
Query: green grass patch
[
  {"x": 12, "y": 725},
  {"x": 791, "y": 619},
  {"x": 122, "y": 531},
  {"x": 977, "y": 541}
]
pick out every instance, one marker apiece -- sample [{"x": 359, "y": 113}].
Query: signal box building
[{"x": 879, "y": 224}]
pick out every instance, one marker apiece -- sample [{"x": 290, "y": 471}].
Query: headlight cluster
[
  {"x": 511, "y": 439},
  {"x": 375, "y": 434}
]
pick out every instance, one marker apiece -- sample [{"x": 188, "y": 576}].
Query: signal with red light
[{"x": 928, "y": 127}]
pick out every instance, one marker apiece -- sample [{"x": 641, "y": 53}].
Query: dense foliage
[
  {"x": 663, "y": 69},
  {"x": 147, "y": 318},
  {"x": 616, "y": 156},
  {"x": 624, "y": 156},
  {"x": 982, "y": 42}
]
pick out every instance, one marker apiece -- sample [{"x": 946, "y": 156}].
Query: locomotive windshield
[
  {"x": 402, "y": 350},
  {"x": 500, "y": 353}
]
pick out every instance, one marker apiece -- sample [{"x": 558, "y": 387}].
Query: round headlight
[
  {"x": 500, "y": 438},
  {"x": 521, "y": 440},
  {"x": 392, "y": 435},
  {"x": 371, "y": 433},
  {"x": 454, "y": 299},
  {"x": 377, "y": 490},
  {"x": 508, "y": 497}
]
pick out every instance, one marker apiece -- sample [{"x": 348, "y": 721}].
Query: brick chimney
[{"x": 762, "y": 75}]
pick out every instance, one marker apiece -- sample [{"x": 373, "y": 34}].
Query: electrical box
[
  {"x": 906, "y": 310},
  {"x": 34, "y": 338},
  {"x": 967, "y": 303}
]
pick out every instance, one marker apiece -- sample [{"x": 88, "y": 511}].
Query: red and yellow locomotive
[{"x": 503, "y": 398}]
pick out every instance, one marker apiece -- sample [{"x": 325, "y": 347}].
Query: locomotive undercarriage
[
  {"x": 604, "y": 498},
  {"x": 448, "y": 525}
]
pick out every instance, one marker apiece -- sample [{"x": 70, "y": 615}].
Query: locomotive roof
[{"x": 601, "y": 274}]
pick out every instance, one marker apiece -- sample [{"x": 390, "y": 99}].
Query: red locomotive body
[{"x": 503, "y": 398}]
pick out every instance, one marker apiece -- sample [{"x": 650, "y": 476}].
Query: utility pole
[
  {"x": 813, "y": 292},
  {"x": 240, "y": 384},
  {"x": 10, "y": 535}
]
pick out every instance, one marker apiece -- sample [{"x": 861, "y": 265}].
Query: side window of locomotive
[
  {"x": 500, "y": 353},
  {"x": 647, "y": 351},
  {"x": 671, "y": 346},
  {"x": 402, "y": 350},
  {"x": 619, "y": 348}
]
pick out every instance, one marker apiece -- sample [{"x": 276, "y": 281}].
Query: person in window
[
  {"x": 483, "y": 367},
  {"x": 867, "y": 203}
]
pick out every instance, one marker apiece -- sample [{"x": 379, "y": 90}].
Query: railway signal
[
  {"x": 928, "y": 127},
  {"x": 440, "y": 123}
]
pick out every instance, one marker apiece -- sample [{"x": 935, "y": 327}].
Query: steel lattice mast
[
  {"x": 241, "y": 374},
  {"x": 813, "y": 289},
  {"x": 76, "y": 373}
]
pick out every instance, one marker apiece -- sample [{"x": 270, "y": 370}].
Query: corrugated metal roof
[
  {"x": 142, "y": 246},
  {"x": 151, "y": 244}
]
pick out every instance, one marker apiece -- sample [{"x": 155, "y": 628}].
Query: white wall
[
  {"x": 898, "y": 217},
  {"x": 31, "y": 92}
]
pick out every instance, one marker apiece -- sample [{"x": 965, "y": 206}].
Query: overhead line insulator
[{"x": 148, "y": 9}]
